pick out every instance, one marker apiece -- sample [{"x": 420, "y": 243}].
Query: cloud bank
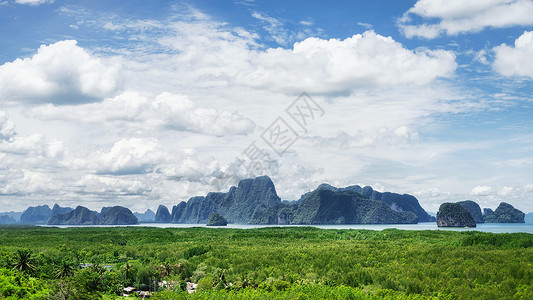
[{"x": 453, "y": 17}]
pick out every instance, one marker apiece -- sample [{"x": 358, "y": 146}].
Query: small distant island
[
  {"x": 217, "y": 220},
  {"x": 468, "y": 213},
  {"x": 454, "y": 215},
  {"x": 116, "y": 215}
]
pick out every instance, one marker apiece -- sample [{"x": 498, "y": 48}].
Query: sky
[{"x": 141, "y": 103}]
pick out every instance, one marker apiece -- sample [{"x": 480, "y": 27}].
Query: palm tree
[
  {"x": 66, "y": 269},
  {"x": 23, "y": 261},
  {"x": 98, "y": 268},
  {"x": 128, "y": 273}
]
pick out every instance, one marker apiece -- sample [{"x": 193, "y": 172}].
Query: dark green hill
[
  {"x": 116, "y": 215},
  {"x": 162, "y": 215},
  {"x": 5, "y": 219},
  {"x": 217, "y": 220},
  {"x": 79, "y": 216},
  {"x": 252, "y": 201},
  {"x": 36, "y": 215},
  {"x": 324, "y": 206},
  {"x": 398, "y": 202},
  {"x": 505, "y": 213},
  {"x": 474, "y": 210},
  {"x": 454, "y": 215},
  {"x": 56, "y": 209},
  {"x": 147, "y": 216}
]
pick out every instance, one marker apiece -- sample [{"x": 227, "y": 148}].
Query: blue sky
[{"x": 142, "y": 103}]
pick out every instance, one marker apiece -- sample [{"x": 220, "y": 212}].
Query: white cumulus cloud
[
  {"x": 130, "y": 156},
  {"x": 515, "y": 61},
  {"x": 61, "y": 72},
  {"x": 164, "y": 112},
  {"x": 481, "y": 190},
  {"x": 28, "y": 182},
  {"x": 338, "y": 66},
  {"x": 111, "y": 185}
]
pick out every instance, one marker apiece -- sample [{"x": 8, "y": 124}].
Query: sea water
[{"x": 485, "y": 227}]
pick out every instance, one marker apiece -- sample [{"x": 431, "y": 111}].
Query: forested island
[
  {"x": 468, "y": 213},
  {"x": 255, "y": 201}
]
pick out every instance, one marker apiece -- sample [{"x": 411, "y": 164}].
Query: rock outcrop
[
  {"x": 79, "y": 216},
  {"x": 217, "y": 220},
  {"x": 147, "y": 216},
  {"x": 454, "y": 215},
  {"x": 505, "y": 213},
  {"x": 474, "y": 210},
  {"x": 36, "y": 215},
  {"x": 253, "y": 201},
  {"x": 324, "y": 206},
  {"x": 116, "y": 215},
  {"x": 397, "y": 202},
  {"x": 13, "y": 214},
  {"x": 57, "y": 210},
  {"x": 162, "y": 215},
  {"x": 6, "y": 219}
]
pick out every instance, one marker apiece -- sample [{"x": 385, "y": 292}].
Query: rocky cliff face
[
  {"x": 505, "y": 213},
  {"x": 474, "y": 210},
  {"x": 217, "y": 220},
  {"x": 36, "y": 215},
  {"x": 56, "y": 210},
  {"x": 324, "y": 206},
  {"x": 395, "y": 201},
  {"x": 5, "y": 219},
  {"x": 454, "y": 215},
  {"x": 13, "y": 214},
  {"x": 116, "y": 215},
  {"x": 162, "y": 215},
  {"x": 79, "y": 216},
  {"x": 249, "y": 202},
  {"x": 254, "y": 201},
  {"x": 41, "y": 214},
  {"x": 147, "y": 216}
]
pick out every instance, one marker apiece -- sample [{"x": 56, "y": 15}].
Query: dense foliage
[
  {"x": 474, "y": 210},
  {"x": 162, "y": 215},
  {"x": 116, "y": 215},
  {"x": 217, "y": 220},
  {"x": 505, "y": 213},
  {"x": 265, "y": 263},
  {"x": 454, "y": 215},
  {"x": 246, "y": 203},
  {"x": 396, "y": 201},
  {"x": 347, "y": 207},
  {"x": 254, "y": 201},
  {"x": 36, "y": 215}
]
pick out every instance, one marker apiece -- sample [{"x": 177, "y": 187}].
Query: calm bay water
[{"x": 489, "y": 227}]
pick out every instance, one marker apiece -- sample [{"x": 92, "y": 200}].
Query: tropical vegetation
[{"x": 263, "y": 263}]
